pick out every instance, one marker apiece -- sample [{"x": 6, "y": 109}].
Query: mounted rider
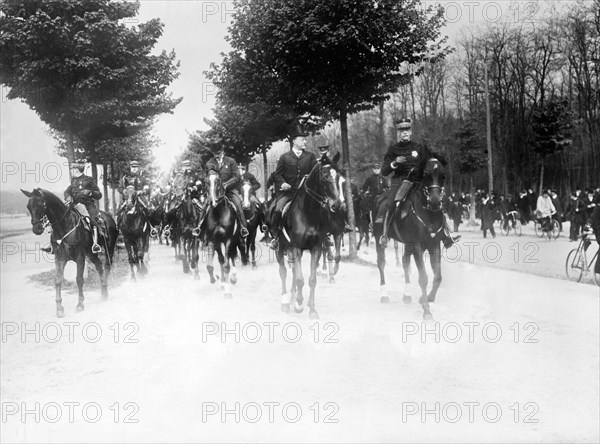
[
  {"x": 291, "y": 169},
  {"x": 135, "y": 179},
  {"x": 84, "y": 190},
  {"x": 402, "y": 160},
  {"x": 227, "y": 169},
  {"x": 375, "y": 185}
]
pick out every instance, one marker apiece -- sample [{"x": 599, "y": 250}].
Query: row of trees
[
  {"x": 314, "y": 62},
  {"x": 87, "y": 74}
]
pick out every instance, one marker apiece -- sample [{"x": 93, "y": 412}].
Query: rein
[{"x": 321, "y": 199}]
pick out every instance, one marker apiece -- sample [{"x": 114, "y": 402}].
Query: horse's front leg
[
  {"x": 131, "y": 255},
  {"x": 435, "y": 259},
  {"x": 295, "y": 257},
  {"x": 423, "y": 300},
  {"x": 285, "y": 298},
  {"x": 210, "y": 258},
  {"x": 383, "y": 295},
  {"x": 396, "y": 253},
  {"x": 79, "y": 279},
  {"x": 195, "y": 257},
  {"x": 59, "y": 270},
  {"x": 315, "y": 253},
  {"x": 408, "y": 288},
  {"x": 337, "y": 256},
  {"x": 230, "y": 251},
  {"x": 253, "y": 251},
  {"x": 102, "y": 273},
  {"x": 142, "y": 243}
]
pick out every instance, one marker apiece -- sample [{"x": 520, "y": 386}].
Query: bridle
[{"x": 321, "y": 199}]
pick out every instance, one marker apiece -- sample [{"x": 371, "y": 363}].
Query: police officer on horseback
[
  {"x": 373, "y": 187},
  {"x": 84, "y": 190},
  {"x": 402, "y": 161},
  {"x": 291, "y": 169},
  {"x": 135, "y": 179},
  {"x": 227, "y": 169}
]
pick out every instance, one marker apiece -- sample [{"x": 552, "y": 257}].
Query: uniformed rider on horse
[
  {"x": 292, "y": 167},
  {"x": 135, "y": 179},
  {"x": 227, "y": 169},
  {"x": 84, "y": 190},
  {"x": 375, "y": 185},
  {"x": 402, "y": 161}
]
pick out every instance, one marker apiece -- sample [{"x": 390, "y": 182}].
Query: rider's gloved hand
[{"x": 69, "y": 200}]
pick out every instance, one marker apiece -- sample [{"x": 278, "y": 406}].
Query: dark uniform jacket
[
  {"x": 374, "y": 185},
  {"x": 81, "y": 184},
  {"x": 291, "y": 168},
  {"x": 228, "y": 171},
  {"x": 416, "y": 154},
  {"x": 249, "y": 177},
  {"x": 137, "y": 181}
]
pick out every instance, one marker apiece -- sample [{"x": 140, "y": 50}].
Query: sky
[{"x": 195, "y": 29}]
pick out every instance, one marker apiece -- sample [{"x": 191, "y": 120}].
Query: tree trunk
[
  {"x": 347, "y": 183},
  {"x": 541, "y": 178},
  {"x": 488, "y": 131},
  {"x": 381, "y": 147},
  {"x": 266, "y": 170},
  {"x": 105, "y": 186},
  {"x": 472, "y": 202},
  {"x": 70, "y": 150}
]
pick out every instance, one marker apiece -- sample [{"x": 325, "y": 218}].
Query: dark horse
[
  {"x": 156, "y": 217},
  {"x": 362, "y": 221},
  {"x": 71, "y": 240},
  {"x": 188, "y": 234},
  {"x": 333, "y": 242},
  {"x": 305, "y": 227},
  {"x": 172, "y": 229},
  {"x": 420, "y": 230},
  {"x": 135, "y": 229},
  {"x": 254, "y": 218},
  {"x": 222, "y": 233}
]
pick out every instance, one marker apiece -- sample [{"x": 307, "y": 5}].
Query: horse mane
[{"x": 50, "y": 198}]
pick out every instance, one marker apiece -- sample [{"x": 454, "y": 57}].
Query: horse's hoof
[
  {"x": 427, "y": 317},
  {"x": 212, "y": 280},
  {"x": 79, "y": 307},
  {"x": 60, "y": 313},
  {"x": 313, "y": 315},
  {"x": 431, "y": 298},
  {"x": 196, "y": 277},
  {"x": 332, "y": 280},
  {"x": 285, "y": 308},
  {"x": 228, "y": 296},
  {"x": 406, "y": 299},
  {"x": 298, "y": 309},
  {"x": 397, "y": 263},
  {"x": 233, "y": 279},
  {"x": 254, "y": 267},
  {"x": 385, "y": 299}
]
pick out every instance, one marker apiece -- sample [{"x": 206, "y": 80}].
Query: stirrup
[
  {"x": 96, "y": 248},
  {"x": 264, "y": 228},
  {"x": 274, "y": 244}
]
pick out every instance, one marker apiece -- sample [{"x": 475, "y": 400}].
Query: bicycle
[
  {"x": 547, "y": 226},
  {"x": 512, "y": 222},
  {"x": 577, "y": 265}
]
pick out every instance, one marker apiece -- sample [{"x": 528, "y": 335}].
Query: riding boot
[
  {"x": 383, "y": 240},
  {"x": 241, "y": 217},
  {"x": 95, "y": 247},
  {"x": 449, "y": 239}
]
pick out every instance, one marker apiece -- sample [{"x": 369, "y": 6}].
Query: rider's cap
[
  {"x": 297, "y": 131},
  {"x": 324, "y": 148},
  {"x": 79, "y": 165},
  {"x": 134, "y": 163},
  {"x": 376, "y": 165},
  {"x": 186, "y": 163},
  {"x": 403, "y": 124},
  {"x": 217, "y": 149}
]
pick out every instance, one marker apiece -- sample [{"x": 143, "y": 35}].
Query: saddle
[{"x": 86, "y": 219}]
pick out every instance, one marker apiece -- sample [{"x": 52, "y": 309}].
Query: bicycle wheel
[
  {"x": 574, "y": 265},
  {"x": 539, "y": 232},
  {"x": 518, "y": 228},
  {"x": 555, "y": 229}
]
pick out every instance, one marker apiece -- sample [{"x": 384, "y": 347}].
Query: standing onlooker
[
  {"x": 488, "y": 215},
  {"x": 558, "y": 216},
  {"x": 577, "y": 214}
]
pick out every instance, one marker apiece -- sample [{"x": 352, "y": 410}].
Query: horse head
[
  {"x": 322, "y": 185},
  {"x": 216, "y": 191},
  {"x": 246, "y": 193},
  {"x": 130, "y": 196},
  {"x": 433, "y": 184},
  {"x": 37, "y": 208}
]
